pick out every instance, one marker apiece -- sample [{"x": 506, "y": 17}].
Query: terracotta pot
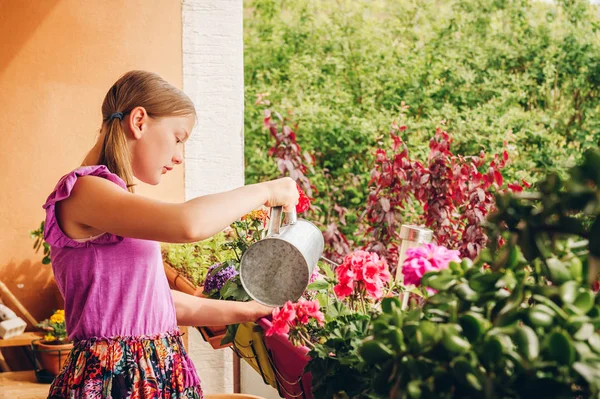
[
  {"x": 214, "y": 335},
  {"x": 52, "y": 357},
  {"x": 179, "y": 282}
]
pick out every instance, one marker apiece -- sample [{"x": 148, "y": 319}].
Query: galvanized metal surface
[{"x": 277, "y": 269}]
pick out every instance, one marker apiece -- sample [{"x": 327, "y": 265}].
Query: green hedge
[{"x": 495, "y": 71}]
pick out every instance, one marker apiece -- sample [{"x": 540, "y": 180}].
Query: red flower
[{"x": 303, "y": 202}]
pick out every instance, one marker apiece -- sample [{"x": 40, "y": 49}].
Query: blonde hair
[{"x": 136, "y": 89}]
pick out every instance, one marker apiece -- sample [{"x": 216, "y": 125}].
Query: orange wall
[{"x": 57, "y": 60}]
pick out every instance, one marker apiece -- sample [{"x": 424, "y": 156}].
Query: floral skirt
[{"x": 146, "y": 367}]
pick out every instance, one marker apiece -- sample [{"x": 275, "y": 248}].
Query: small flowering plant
[
  {"x": 335, "y": 322},
  {"x": 223, "y": 282},
  {"x": 55, "y": 327},
  {"x": 297, "y": 320}
]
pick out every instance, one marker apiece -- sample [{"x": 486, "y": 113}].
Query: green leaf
[
  {"x": 326, "y": 269},
  {"x": 594, "y": 238},
  {"x": 560, "y": 348},
  {"x": 484, "y": 282},
  {"x": 513, "y": 257},
  {"x": 559, "y": 273},
  {"x": 584, "y": 300},
  {"x": 594, "y": 342},
  {"x": 389, "y": 304},
  {"x": 539, "y": 318},
  {"x": 527, "y": 342},
  {"x": 396, "y": 339},
  {"x": 474, "y": 325},
  {"x": 452, "y": 341},
  {"x": 414, "y": 389},
  {"x": 441, "y": 282},
  {"x": 568, "y": 291},
  {"x": 474, "y": 382},
  {"x": 584, "y": 332},
  {"x": 318, "y": 285},
  {"x": 374, "y": 352},
  {"x": 430, "y": 333},
  {"x": 491, "y": 350},
  {"x": 589, "y": 371},
  {"x": 463, "y": 291}
]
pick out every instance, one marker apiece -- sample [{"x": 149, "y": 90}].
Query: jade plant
[{"x": 519, "y": 321}]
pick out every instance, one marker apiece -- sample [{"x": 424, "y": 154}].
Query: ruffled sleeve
[{"x": 53, "y": 234}]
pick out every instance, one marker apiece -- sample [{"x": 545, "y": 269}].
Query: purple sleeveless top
[{"x": 113, "y": 286}]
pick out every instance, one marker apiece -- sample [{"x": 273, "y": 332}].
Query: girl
[{"x": 106, "y": 258}]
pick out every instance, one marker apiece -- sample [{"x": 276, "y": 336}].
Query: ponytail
[{"x": 115, "y": 152}]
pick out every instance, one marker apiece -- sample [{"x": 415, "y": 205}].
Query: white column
[{"x": 213, "y": 77}]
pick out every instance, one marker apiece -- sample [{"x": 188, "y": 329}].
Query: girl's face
[{"x": 157, "y": 144}]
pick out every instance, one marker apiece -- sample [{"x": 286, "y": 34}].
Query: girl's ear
[{"x": 138, "y": 121}]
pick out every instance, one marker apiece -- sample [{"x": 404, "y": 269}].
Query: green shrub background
[{"x": 523, "y": 72}]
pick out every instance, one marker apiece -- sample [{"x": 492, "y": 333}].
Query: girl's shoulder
[
  {"x": 52, "y": 231},
  {"x": 65, "y": 185}
]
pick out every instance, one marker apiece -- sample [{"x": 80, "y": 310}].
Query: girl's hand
[
  {"x": 258, "y": 310},
  {"x": 282, "y": 192}
]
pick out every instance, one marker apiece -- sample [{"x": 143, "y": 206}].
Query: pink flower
[
  {"x": 282, "y": 319},
  {"x": 427, "y": 258},
  {"x": 343, "y": 290},
  {"x": 305, "y": 310},
  {"x": 290, "y": 314},
  {"x": 362, "y": 270}
]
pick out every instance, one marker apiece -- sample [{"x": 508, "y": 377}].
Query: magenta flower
[{"x": 427, "y": 258}]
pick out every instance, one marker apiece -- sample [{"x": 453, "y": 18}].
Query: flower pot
[
  {"x": 249, "y": 345},
  {"x": 213, "y": 335},
  {"x": 179, "y": 282},
  {"x": 288, "y": 362},
  {"x": 52, "y": 357}
]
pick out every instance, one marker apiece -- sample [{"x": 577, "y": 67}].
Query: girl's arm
[
  {"x": 195, "y": 311},
  {"x": 98, "y": 204}
]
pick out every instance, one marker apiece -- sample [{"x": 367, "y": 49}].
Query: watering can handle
[{"x": 275, "y": 219}]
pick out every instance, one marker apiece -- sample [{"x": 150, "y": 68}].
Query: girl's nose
[{"x": 178, "y": 157}]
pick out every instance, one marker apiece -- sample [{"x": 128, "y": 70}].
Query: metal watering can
[{"x": 277, "y": 268}]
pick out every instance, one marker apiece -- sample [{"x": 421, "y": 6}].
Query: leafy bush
[{"x": 494, "y": 70}]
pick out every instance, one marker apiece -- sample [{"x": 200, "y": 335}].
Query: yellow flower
[
  {"x": 49, "y": 338},
  {"x": 57, "y": 318}
]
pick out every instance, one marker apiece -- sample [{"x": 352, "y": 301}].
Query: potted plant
[
  {"x": 53, "y": 349},
  {"x": 186, "y": 265},
  {"x": 520, "y": 321}
]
